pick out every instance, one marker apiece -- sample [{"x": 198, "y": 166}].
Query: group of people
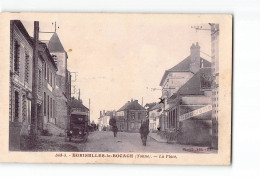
[{"x": 144, "y": 129}]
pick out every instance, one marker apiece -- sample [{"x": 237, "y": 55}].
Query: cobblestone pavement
[{"x": 105, "y": 142}]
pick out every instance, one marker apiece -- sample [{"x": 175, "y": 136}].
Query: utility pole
[{"x": 33, "y": 132}]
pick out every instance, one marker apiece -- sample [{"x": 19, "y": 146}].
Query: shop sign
[{"x": 196, "y": 112}]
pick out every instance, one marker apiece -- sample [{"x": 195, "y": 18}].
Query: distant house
[
  {"x": 103, "y": 120},
  {"x": 130, "y": 116},
  {"x": 154, "y": 116}
]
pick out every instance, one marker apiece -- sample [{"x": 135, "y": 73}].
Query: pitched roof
[
  {"x": 43, "y": 49},
  {"x": 77, "y": 104},
  {"x": 157, "y": 106},
  {"x": 183, "y": 66},
  {"x": 21, "y": 27},
  {"x": 193, "y": 85},
  {"x": 133, "y": 105},
  {"x": 54, "y": 44}
]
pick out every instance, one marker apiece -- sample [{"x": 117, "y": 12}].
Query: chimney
[
  {"x": 100, "y": 113},
  {"x": 104, "y": 112},
  {"x": 195, "y": 58}
]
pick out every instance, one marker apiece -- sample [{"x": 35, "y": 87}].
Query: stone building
[
  {"x": 182, "y": 91},
  {"x": 63, "y": 82},
  {"x": 130, "y": 116},
  {"x": 48, "y": 78},
  {"x": 21, "y": 50},
  {"x": 20, "y": 91}
]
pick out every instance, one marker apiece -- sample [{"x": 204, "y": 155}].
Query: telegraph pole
[{"x": 33, "y": 132}]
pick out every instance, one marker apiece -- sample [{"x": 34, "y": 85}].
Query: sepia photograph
[{"x": 117, "y": 85}]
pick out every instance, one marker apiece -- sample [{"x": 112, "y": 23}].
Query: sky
[{"x": 119, "y": 58}]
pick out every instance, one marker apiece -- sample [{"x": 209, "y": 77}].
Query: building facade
[
  {"x": 154, "y": 117},
  {"x": 130, "y": 116},
  {"x": 185, "y": 90},
  {"x": 104, "y": 118},
  {"x": 63, "y": 83},
  {"x": 48, "y": 83},
  {"x": 20, "y": 91}
]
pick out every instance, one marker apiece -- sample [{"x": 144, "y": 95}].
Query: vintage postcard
[{"x": 116, "y": 88}]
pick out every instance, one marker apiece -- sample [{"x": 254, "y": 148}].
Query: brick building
[{"x": 130, "y": 116}]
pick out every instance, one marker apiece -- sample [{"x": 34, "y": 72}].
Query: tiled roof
[
  {"x": 133, "y": 105},
  {"x": 54, "y": 44},
  {"x": 183, "y": 66},
  {"x": 193, "y": 85}
]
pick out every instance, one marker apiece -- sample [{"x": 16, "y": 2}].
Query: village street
[{"x": 104, "y": 141}]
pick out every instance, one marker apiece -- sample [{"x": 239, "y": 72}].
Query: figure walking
[
  {"x": 112, "y": 123},
  {"x": 144, "y": 131}
]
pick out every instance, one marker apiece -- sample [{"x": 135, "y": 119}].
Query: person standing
[
  {"x": 112, "y": 123},
  {"x": 144, "y": 131}
]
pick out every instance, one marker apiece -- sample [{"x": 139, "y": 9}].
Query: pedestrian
[
  {"x": 112, "y": 123},
  {"x": 115, "y": 129},
  {"x": 144, "y": 131}
]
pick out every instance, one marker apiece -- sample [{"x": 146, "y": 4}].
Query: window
[
  {"x": 53, "y": 110},
  {"x": 40, "y": 81},
  {"x": 54, "y": 81},
  {"x": 172, "y": 119},
  {"x": 48, "y": 75},
  {"x": 51, "y": 107},
  {"x": 24, "y": 112},
  {"x": 16, "y": 106},
  {"x": 16, "y": 57},
  {"x": 51, "y": 79},
  {"x": 45, "y": 71},
  {"x": 132, "y": 125},
  {"x": 139, "y": 115},
  {"x": 44, "y": 104},
  {"x": 133, "y": 116},
  {"x": 206, "y": 81},
  {"x": 26, "y": 68},
  {"x": 48, "y": 106}
]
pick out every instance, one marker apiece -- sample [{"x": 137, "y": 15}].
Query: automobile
[{"x": 78, "y": 126}]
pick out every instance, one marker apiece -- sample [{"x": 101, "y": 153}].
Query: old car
[{"x": 78, "y": 126}]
